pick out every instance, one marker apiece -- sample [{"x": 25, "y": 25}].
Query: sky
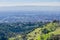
[
  {"x": 29, "y": 0},
  {"x": 29, "y": 3},
  {"x": 5, "y": 4}
]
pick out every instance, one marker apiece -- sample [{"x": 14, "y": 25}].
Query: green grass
[
  {"x": 37, "y": 34},
  {"x": 51, "y": 27}
]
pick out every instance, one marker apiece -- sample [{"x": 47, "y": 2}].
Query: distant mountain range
[{"x": 29, "y": 16}]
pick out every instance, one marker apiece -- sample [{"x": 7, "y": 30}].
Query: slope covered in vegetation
[{"x": 42, "y": 33}]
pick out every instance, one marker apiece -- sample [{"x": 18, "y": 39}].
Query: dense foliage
[
  {"x": 8, "y": 30},
  {"x": 30, "y": 31},
  {"x": 46, "y": 32}
]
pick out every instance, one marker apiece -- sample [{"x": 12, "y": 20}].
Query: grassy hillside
[{"x": 44, "y": 33}]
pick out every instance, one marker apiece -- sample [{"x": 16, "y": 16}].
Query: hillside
[{"x": 42, "y": 33}]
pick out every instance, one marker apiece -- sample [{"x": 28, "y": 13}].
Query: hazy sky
[
  {"x": 6, "y": 3},
  {"x": 29, "y": 0}
]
